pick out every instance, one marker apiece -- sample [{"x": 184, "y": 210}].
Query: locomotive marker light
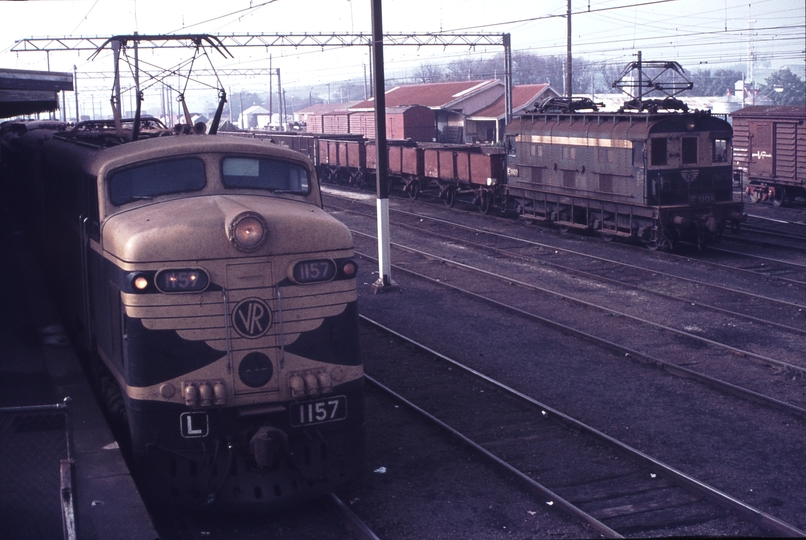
[
  {"x": 140, "y": 283},
  {"x": 349, "y": 268}
]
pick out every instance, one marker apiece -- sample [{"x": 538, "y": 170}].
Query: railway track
[
  {"x": 769, "y": 233},
  {"x": 736, "y": 369},
  {"x": 325, "y": 518},
  {"x": 760, "y": 266},
  {"x": 667, "y": 365},
  {"x": 620, "y": 272},
  {"x": 613, "y": 488}
]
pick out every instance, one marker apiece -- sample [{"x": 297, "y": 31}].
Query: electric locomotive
[
  {"x": 658, "y": 177},
  {"x": 217, "y": 300}
]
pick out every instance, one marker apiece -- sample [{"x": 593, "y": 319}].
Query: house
[
  {"x": 255, "y": 117},
  {"x": 487, "y": 124}
]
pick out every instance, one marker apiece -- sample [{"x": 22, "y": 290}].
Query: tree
[
  {"x": 784, "y": 88},
  {"x": 718, "y": 83},
  {"x": 528, "y": 68},
  {"x": 468, "y": 69},
  {"x": 607, "y": 74},
  {"x": 428, "y": 73}
]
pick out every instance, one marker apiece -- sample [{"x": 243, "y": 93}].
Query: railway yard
[
  {"x": 528, "y": 383},
  {"x": 464, "y": 308}
]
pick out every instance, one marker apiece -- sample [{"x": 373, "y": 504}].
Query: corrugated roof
[
  {"x": 433, "y": 95},
  {"x": 523, "y": 96}
]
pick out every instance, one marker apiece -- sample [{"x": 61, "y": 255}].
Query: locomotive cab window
[
  {"x": 689, "y": 150},
  {"x": 721, "y": 150},
  {"x": 154, "y": 179},
  {"x": 267, "y": 174},
  {"x": 658, "y": 151},
  {"x": 512, "y": 148}
]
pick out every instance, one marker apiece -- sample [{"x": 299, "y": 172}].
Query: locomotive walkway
[{"x": 38, "y": 367}]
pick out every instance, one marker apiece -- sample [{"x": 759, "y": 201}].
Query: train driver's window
[
  {"x": 261, "y": 173},
  {"x": 154, "y": 179},
  {"x": 690, "y": 150},
  {"x": 721, "y": 147}
]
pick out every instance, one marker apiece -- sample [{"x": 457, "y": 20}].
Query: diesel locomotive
[{"x": 215, "y": 297}]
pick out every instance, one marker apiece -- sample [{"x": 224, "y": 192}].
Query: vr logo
[{"x": 251, "y": 318}]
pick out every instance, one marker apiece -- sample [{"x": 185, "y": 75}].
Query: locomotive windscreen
[
  {"x": 149, "y": 181},
  {"x": 268, "y": 174}
]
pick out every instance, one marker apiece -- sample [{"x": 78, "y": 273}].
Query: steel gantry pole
[
  {"x": 384, "y": 282},
  {"x": 507, "y": 79}
]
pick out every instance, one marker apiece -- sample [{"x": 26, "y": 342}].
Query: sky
[{"x": 715, "y": 34}]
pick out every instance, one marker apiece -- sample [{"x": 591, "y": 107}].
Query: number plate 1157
[{"x": 320, "y": 411}]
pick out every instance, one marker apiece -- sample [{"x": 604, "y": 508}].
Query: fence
[{"x": 36, "y": 472}]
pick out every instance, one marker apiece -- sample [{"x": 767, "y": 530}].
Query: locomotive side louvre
[
  {"x": 237, "y": 362},
  {"x": 660, "y": 178},
  {"x": 770, "y": 151}
]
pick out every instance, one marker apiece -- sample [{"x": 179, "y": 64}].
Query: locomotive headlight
[
  {"x": 691, "y": 124},
  {"x": 247, "y": 231},
  {"x": 140, "y": 283}
]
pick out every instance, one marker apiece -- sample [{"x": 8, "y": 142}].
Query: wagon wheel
[
  {"x": 485, "y": 202},
  {"x": 449, "y": 196},
  {"x": 606, "y": 237},
  {"x": 779, "y": 196},
  {"x": 413, "y": 189},
  {"x": 755, "y": 197}
]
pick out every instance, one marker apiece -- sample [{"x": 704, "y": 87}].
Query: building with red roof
[{"x": 487, "y": 124}]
